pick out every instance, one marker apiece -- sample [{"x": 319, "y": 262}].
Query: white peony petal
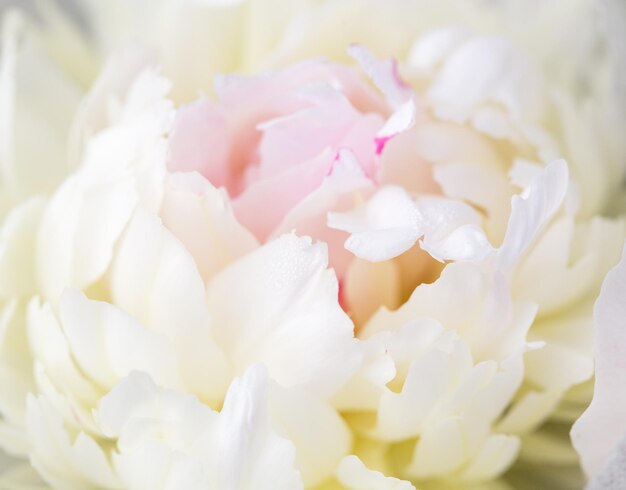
[
  {"x": 383, "y": 228},
  {"x": 402, "y": 415},
  {"x": 363, "y": 390},
  {"x": 572, "y": 258},
  {"x": 486, "y": 70},
  {"x": 391, "y": 222},
  {"x": 16, "y": 376},
  {"x": 78, "y": 232},
  {"x": 599, "y": 429},
  {"x": 193, "y": 446},
  {"x": 432, "y": 48},
  {"x": 354, "y": 475},
  {"x": 107, "y": 91},
  {"x": 452, "y": 230},
  {"x": 440, "y": 449},
  {"x": 319, "y": 434},
  {"x": 531, "y": 211},
  {"x": 107, "y": 344},
  {"x": 56, "y": 373},
  {"x": 201, "y": 217},
  {"x": 197, "y": 42},
  {"x": 164, "y": 437},
  {"x": 31, "y": 112},
  {"x": 278, "y": 305},
  {"x": 496, "y": 454},
  {"x": 123, "y": 165},
  {"x": 136, "y": 409},
  {"x": 470, "y": 300},
  {"x": 17, "y": 243},
  {"x": 481, "y": 185},
  {"x": 74, "y": 465},
  {"x": 155, "y": 279},
  {"x": 530, "y": 412},
  {"x": 250, "y": 455}
]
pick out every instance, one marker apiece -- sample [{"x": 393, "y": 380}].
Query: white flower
[{"x": 165, "y": 319}]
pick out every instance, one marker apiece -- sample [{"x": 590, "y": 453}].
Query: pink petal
[
  {"x": 264, "y": 203},
  {"x": 201, "y": 142}
]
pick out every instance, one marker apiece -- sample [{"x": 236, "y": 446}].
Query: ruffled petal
[{"x": 391, "y": 222}]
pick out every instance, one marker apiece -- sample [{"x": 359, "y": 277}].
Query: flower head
[{"x": 258, "y": 255}]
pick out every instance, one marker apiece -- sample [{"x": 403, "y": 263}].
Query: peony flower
[{"x": 240, "y": 250}]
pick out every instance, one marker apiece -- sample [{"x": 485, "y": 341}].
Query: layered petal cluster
[{"x": 239, "y": 250}]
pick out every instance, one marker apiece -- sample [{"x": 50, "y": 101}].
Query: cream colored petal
[
  {"x": 17, "y": 249},
  {"x": 279, "y": 306},
  {"x": 319, "y": 434},
  {"x": 36, "y": 117},
  {"x": 79, "y": 230},
  {"x": 78, "y": 464},
  {"x": 250, "y": 455},
  {"x": 201, "y": 217},
  {"x": 531, "y": 211},
  {"x": 155, "y": 279},
  {"x": 107, "y": 344}
]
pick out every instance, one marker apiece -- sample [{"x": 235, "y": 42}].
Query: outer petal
[
  {"x": 599, "y": 429},
  {"x": 79, "y": 230},
  {"x": 35, "y": 117},
  {"x": 106, "y": 92},
  {"x": 17, "y": 244},
  {"x": 198, "y": 40},
  {"x": 192, "y": 446},
  {"x": 57, "y": 376},
  {"x": 16, "y": 377},
  {"x": 124, "y": 165},
  {"x": 278, "y": 305}
]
